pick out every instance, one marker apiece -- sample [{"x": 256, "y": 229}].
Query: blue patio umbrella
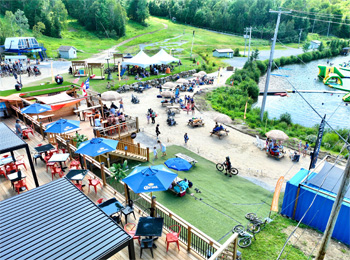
[
  {"x": 97, "y": 146},
  {"x": 62, "y": 126},
  {"x": 36, "y": 108},
  {"x": 150, "y": 179},
  {"x": 178, "y": 164}
]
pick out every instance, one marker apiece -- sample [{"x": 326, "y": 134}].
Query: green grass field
[{"x": 47, "y": 88}]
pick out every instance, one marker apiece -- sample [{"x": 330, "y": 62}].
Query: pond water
[{"x": 304, "y": 77}]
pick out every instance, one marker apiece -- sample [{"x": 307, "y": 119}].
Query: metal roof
[
  {"x": 9, "y": 141},
  {"x": 57, "y": 221},
  {"x": 66, "y": 48},
  {"x": 223, "y": 50}
]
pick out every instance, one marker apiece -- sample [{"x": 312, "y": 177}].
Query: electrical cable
[
  {"x": 315, "y": 13},
  {"x": 295, "y": 16}
]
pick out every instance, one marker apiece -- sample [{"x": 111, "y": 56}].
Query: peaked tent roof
[
  {"x": 164, "y": 57},
  {"x": 141, "y": 59}
]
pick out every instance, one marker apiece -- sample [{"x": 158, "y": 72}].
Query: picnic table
[
  {"x": 166, "y": 104},
  {"x": 49, "y": 117},
  {"x": 186, "y": 158},
  {"x": 195, "y": 122},
  {"x": 220, "y": 133},
  {"x": 179, "y": 191},
  {"x": 175, "y": 108},
  {"x": 81, "y": 111}
]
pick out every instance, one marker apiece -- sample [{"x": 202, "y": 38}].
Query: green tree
[
  {"x": 56, "y": 28},
  {"x": 306, "y": 46},
  {"x": 38, "y": 29},
  {"x": 21, "y": 21},
  {"x": 321, "y": 47},
  {"x": 138, "y": 10}
]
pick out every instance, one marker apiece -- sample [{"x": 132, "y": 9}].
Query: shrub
[
  {"x": 261, "y": 66},
  {"x": 253, "y": 91},
  {"x": 330, "y": 138},
  {"x": 286, "y": 117},
  {"x": 236, "y": 53}
]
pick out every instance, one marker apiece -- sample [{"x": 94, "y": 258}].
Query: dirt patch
[{"x": 306, "y": 240}]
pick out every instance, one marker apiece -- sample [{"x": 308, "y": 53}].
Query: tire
[
  {"x": 238, "y": 229},
  {"x": 220, "y": 167},
  {"x": 254, "y": 228},
  {"x": 244, "y": 242},
  {"x": 233, "y": 171},
  {"x": 250, "y": 216}
]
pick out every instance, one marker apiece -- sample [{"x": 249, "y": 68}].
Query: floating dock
[{"x": 317, "y": 91}]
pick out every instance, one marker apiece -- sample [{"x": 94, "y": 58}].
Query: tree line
[
  {"x": 235, "y": 15},
  {"x": 49, "y": 17}
]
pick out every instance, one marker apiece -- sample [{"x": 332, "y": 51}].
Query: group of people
[
  {"x": 162, "y": 148},
  {"x": 217, "y": 128},
  {"x": 151, "y": 115},
  {"x": 140, "y": 72},
  {"x": 189, "y": 104},
  {"x": 273, "y": 147},
  {"x": 114, "y": 115},
  {"x": 11, "y": 69}
]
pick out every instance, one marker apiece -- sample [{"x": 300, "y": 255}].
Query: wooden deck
[{"x": 160, "y": 253}]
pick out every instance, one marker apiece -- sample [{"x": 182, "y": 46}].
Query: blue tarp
[{"x": 317, "y": 216}]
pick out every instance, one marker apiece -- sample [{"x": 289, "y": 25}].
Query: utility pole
[
  {"x": 250, "y": 36},
  {"x": 192, "y": 44},
  {"x": 271, "y": 59},
  {"x": 329, "y": 25},
  {"x": 313, "y": 25},
  {"x": 335, "y": 211},
  {"x": 301, "y": 30},
  {"x": 245, "y": 39}
]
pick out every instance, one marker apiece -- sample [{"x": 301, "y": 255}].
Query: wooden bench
[
  {"x": 220, "y": 133},
  {"x": 48, "y": 117},
  {"x": 186, "y": 158},
  {"x": 166, "y": 104}
]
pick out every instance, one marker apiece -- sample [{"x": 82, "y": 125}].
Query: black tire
[
  {"x": 244, "y": 242},
  {"x": 250, "y": 216},
  {"x": 254, "y": 228},
  {"x": 220, "y": 167},
  {"x": 234, "y": 171},
  {"x": 238, "y": 229}
]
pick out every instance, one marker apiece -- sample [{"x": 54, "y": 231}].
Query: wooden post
[
  {"x": 235, "y": 248},
  {"x": 189, "y": 238},
  {"x": 126, "y": 192},
  {"x": 138, "y": 149},
  {"x": 126, "y": 151},
  {"x": 137, "y": 125},
  {"x": 147, "y": 153},
  {"x": 68, "y": 148},
  {"x": 41, "y": 130},
  {"x": 85, "y": 166},
  {"x": 108, "y": 161},
  {"x": 103, "y": 175},
  {"x": 119, "y": 130}
]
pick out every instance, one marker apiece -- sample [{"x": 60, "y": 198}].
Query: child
[
  {"x": 155, "y": 153},
  {"x": 186, "y": 138},
  {"x": 148, "y": 118}
]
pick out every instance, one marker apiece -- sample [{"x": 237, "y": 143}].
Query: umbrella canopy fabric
[
  {"x": 110, "y": 96},
  {"x": 36, "y": 108},
  {"x": 62, "y": 126},
  {"x": 178, "y": 164},
  {"x": 181, "y": 80},
  {"x": 150, "y": 179},
  {"x": 202, "y": 73},
  {"x": 277, "y": 135},
  {"x": 223, "y": 119},
  {"x": 167, "y": 94},
  {"x": 169, "y": 85},
  {"x": 97, "y": 146}
]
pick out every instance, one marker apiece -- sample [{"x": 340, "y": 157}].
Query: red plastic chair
[
  {"x": 48, "y": 164},
  {"x": 20, "y": 184},
  {"x": 94, "y": 183},
  {"x": 5, "y": 156},
  {"x": 79, "y": 186},
  {"x": 99, "y": 201},
  {"x": 3, "y": 172},
  {"x": 173, "y": 237},
  {"x": 39, "y": 145},
  {"x": 57, "y": 170},
  {"x": 25, "y": 134},
  {"x": 10, "y": 167},
  {"x": 131, "y": 231},
  {"x": 20, "y": 161},
  {"x": 74, "y": 164}
]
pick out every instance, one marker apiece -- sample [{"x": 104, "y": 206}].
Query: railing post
[
  {"x": 189, "y": 238},
  {"x": 103, "y": 175},
  {"x": 137, "y": 124},
  {"x": 235, "y": 248},
  {"x": 138, "y": 149},
  {"x": 147, "y": 153},
  {"x": 126, "y": 192},
  {"x": 41, "y": 130},
  {"x": 119, "y": 131},
  {"x": 85, "y": 162},
  {"x": 68, "y": 148}
]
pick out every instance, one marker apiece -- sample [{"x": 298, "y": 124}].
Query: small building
[
  {"x": 67, "y": 52},
  {"x": 227, "y": 53},
  {"x": 314, "y": 44}
]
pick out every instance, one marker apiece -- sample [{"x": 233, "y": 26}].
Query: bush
[
  {"x": 236, "y": 53},
  {"x": 253, "y": 91},
  {"x": 286, "y": 117},
  {"x": 330, "y": 138},
  {"x": 261, "y": 66}
]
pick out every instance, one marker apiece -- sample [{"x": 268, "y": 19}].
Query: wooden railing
[
  {"x": 227, "y": 251},
  {"x": 196, "y": 241},
  {"x": 136, "y": 149},
  {"x": 122, "y": 129}
]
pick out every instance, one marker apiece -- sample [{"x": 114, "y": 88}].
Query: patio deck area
[{"x": 6, "y": 191}]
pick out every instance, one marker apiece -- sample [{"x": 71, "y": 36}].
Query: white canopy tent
[
  {"x": 164, "y": 57},
  {"x": 141, "y": 59}
]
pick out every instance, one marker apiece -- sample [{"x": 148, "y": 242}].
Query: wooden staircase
[{"x": 129, "y": 156}]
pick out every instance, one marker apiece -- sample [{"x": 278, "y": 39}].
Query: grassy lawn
[{"x": 47, "y": 88}]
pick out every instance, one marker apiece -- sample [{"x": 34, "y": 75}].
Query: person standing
[
  {"x": 18, "y": 128},
  {"x": 148, "y": 118},
  {"x": 153, "y": 116},
  {"x": 306, "y": 147},
  {"x": 192, "y": 107},
  {"x": 186, "y": 138},
  {"x": 162, "y": 147},
  {"x": 157, "y": 131},
  {"x": 160, "y": 88},
  {"x": 155, "y": 153},
  {"x": 121, "y": 104}
]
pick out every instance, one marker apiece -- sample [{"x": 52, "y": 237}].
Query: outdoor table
[
  {"x": 13, "y": 177},
  {"x": 91, "y": 116},
  {"x": 186, "y": 158},
  {"x": 49, "y": 117},
  {"x": 6, "y": 160},
  {"x": 44, "y": 148},
  {"x": 76, "y": 175},
  {"x": 150, "y": 227},
  {"x": 111, "y": 206},
  {"x": 59, "y": 157}
]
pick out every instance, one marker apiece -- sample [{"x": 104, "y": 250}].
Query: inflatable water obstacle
[{"x": 346, "y": 98}]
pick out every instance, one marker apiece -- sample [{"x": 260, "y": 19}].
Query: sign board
[{"x": 246, "y": 36}]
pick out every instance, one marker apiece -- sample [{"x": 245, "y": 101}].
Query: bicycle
[
  {"x": 255, "y": 223},
  {"x": 221, "y": 167},
  {"x": 245, "y": 237}
]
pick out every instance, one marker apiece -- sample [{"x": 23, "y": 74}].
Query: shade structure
[
  {"x": 36, "y": 108},
  {"x": 181, "y": 80},
  {"x": 164, "y": 57},
  {"x": 223, "y": 119},
  {"x": 277, "y": 135},
  {"x": 202, "y": 73},
  {"x": 178, "y": 164},
  {"x": 62, "y": 126},
  {"x": 167, "y": 94},
  {"x": 141, "y": 59},
  {"x": 97, "y": 146},
  {"x": 110, "y": 96},
  {"x": 169, "y": 85},
  {"x": 150, "y": 179}
]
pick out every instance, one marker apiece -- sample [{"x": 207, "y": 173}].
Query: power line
[
  {"x": 316, "y": 13},
  {"x": 314, "y": 19}
]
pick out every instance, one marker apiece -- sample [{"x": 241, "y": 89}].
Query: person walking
[
  {"x": 192, "y": 107},
  {"x": 162, "y": 147},
  {"x": 18, "y": 128},
  {"x": 121, "y": 104},
  {"x": 155, "y": 153},
  {"x": 153, "y": 116},
  {"x": 186, "y": 138},
  {"x": 306, "y": 147},
  {"x": 157, "y": 131},
  {"x": 148, "y": 118}
]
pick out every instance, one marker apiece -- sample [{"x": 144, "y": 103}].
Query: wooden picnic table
[
  {"x": 49, "y": 117},
  {"x": 186, "y": 158},
  {"x": 166, "y": 104},
  {"x": 220, "y": 133},
  {"x": 176, "y": 109}
]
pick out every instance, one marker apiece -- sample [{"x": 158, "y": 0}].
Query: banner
[
  {"x": 83, "y": 89},
  {"x": 87, "y": 83},
  {"x": 316, "y": 151},
  {"x": 276, "y": 195}
]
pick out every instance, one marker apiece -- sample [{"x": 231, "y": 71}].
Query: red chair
[
  {"x": 3, "y": 172},
  {"x": 48, "y": 164},
  {"x": 57, "y": 170},
  {"x": 39, "y": 145},
  {"x": 20, "y": 161},
  {"x": 74, "y": 164},
  {"x": 131, "y": 231},
  {"x": 99, "y": 201},
  {"x": 79, "y": 186},
  {"x": 5, "y": 156},
  {"x": 20, "y": 184},
  {"x": 30, "y": 130},
  {"x": 173, "y": 237},
  {"x": 10, "y": 167},
  {"x": 94, "y": 183},
  {"x": 25, "y": 134}
]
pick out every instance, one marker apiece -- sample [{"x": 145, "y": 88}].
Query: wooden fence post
[
  {"x": 68, "y": 148},
  {"x": 85, "y": 162},
  {"x": 147, "y": 153},
  {"x": 103, "y": 175},
  {"x": 126, "y": 192},
  {"x": 189, "y": 238},
  {"x": 138, "y": 149},
  {"x": 137, "y": 125},
  {"x": 41, "y": 130}
]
